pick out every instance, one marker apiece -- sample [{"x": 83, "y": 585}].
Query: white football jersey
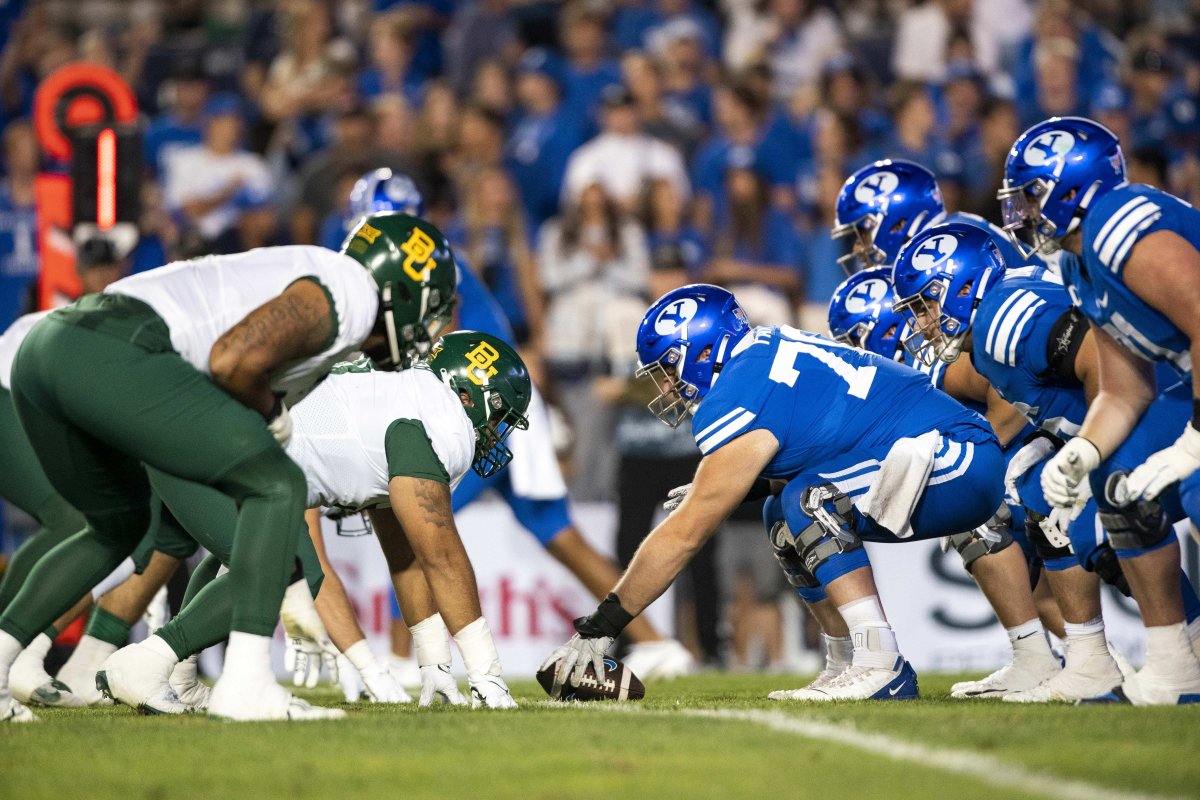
[
  {"x": 339, "y": 431},
  {"x": 202, "y": 299},
  {"x": 11, "y": 340}
]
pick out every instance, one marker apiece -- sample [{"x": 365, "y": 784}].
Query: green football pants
[{"x": 99, "y": 391}]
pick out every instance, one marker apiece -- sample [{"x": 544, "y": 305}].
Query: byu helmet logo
[
  {"x": 875, "y": 186},
  {"x": 934, "y": 251},
  {"x": 865, "y": 295},
  {"x": 1047, "y": 147},
  {"x": 675, "y": 316}
]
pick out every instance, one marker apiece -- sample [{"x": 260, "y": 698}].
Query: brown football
[{"x": 619, "y": 684}]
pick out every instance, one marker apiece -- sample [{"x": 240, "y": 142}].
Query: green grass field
[{"x": 708, "y": 736}]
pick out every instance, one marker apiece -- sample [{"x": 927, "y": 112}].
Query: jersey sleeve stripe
[
  {"x": 1131, "y": 239},
  {"x": 1010, "y": 356},
  {"x": 1002, "y": 342},
  {"x": 997, "y": 320},
  {"x": 732, "y": 428},
  {"x": 1115, "y": 219},
  {"x": 963, "y": 463},
  {"x": 1107, "y": 248},
  {"x": 869, "y": 464},
  {"x": 719, "y": 423}
]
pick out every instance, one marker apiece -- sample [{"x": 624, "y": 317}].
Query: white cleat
[
  {"x": 406, "y": 671},
  {"x": 1147, "y": 689},
  {"x": 139, "y": 677},
  {"x": 814, "y": 690},
  {"x": 1026, "y": 671},
  {"x": 662, "y": 660},
  {"x": 1084, "y": 677},
  {"x": 12, "y": 711},
  {"x": 869, "y": 683},
  {"x": 185, "y": 681},
  {"x": 261, "y": 702},
  {"x": 31, "y": 684}
]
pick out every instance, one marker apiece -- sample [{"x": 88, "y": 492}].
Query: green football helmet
[
  {"x": 493, "y": 383},
  {"x": 413, "y": 265}
]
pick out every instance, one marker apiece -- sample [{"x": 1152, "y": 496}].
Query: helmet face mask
[
  {"x": 932, "y": 333},
  {"x": 676, "y": 397},
  {"x": 864, "y": 253},
  {"x": 493, "y": 384},
  {"x": 1027, "y": 227}
]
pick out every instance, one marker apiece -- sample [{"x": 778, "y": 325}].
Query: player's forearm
[
  {"x": 1110, "y": 420},
  {"x": 661, "y": 557},
  {"x": 333, "y": 606}
]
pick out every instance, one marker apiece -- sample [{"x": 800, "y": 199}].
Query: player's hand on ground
[
  {"x": 1165, "y": 468},
  {"x": 571, "y": 659},
  {"x": 1067, "y": 471},
  {"x": 675, "y": 497},
  {"x": 381, "y": 686},
  {"x": 490, "y": 691},
  {"x": 305, "y": 657},
  {"x": 348, "y": 679},
  {"x": 438, "y": 683}
]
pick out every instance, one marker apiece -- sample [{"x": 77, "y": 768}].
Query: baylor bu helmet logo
[{"x": 482, "y": 360}]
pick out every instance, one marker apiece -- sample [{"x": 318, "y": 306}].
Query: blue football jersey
[
  {"x": 477, "y": 309},
  {"x": 1113, "y": 225},
  {"x": 822, "y": 399},
  {"x": 1012, "y": 331}
]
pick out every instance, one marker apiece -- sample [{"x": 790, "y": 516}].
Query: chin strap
[{"x": 389, "y": 321}]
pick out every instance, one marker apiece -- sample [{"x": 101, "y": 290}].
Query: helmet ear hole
[{"x": 466, "y": 399}]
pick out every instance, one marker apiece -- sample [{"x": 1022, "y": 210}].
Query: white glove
[
  {"x": 158, "y": 611},
  {"x": 308, "y": 644},
  {"x": 1166, "y": 467},
  {"x": 382, "y": 687},
  {"x": 1068, "y": 469},
  {"x": 281, "y": 425},
  {"x": 1025, "y": 459},
  {"x": 675, "y": 497},
  {"x": 572, "y": 658},
  {"x": 348, "y": 679},
  {"x": 490, "y": 691},
  {"x": 436, "y": 681}
]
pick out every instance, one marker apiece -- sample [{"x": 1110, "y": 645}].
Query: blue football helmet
[
  {"x": 861, "y": 313},
  {"x": 1053, "y": 173},
  {"x": 883, "y": 205},
  {"x": 939, "y": 280},
  {"x": 683, "y": 342},
  {"x": 382, "y": 190}
]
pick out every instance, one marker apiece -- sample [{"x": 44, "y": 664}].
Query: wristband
[
  {"x": 359, "y": 654},
  {"x": 276, "y": 408},
  {"x": 1196, "y": 413},
  {"x": 431, "y": 642},
  {"x": 609, "y": 619}
]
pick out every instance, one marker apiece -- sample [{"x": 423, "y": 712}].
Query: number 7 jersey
[{"x": 821, "y": 399}]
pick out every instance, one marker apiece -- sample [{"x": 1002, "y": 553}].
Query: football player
[
  {"x": 868, "y": 448},
  {"x": 1136, "y": 279},
  {"x": 366, "y": 439},
  {"x": 191, "y": 369},
  {"x": 534, "y": 488}
]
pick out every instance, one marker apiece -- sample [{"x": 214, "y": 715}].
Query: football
[{"x": 619, "y": 684}]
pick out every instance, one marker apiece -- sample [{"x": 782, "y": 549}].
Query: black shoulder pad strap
[{"x": 1066, "y": 337}]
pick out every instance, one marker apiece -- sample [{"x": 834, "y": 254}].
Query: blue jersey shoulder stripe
[
  {"x": 1008, "y": 324},
  {"x": 1131, "y": 220},
  {"x": 731, "y": 428},
  {"x": 1116, "y": 217}
]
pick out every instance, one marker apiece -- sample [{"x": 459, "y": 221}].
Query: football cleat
[
  {"x": 140, "y": 678},
  {"x": 31, "y": 684},
  {"x": 870, "y": 683},
  {"x": 185, "y": 681},
  {"x": 1027, "y": 670},
  {"x": 815, "y": 690},
  {"x": 1145, "y": 689},
  {"x": 247, "y": 701},
  {"x": 661, "y": 660},
  {"x": 1084, "y": 677},
  {"x": 11, "y": 710}
]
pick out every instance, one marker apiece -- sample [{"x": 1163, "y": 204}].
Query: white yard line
[{"x": 968, "y": 763}]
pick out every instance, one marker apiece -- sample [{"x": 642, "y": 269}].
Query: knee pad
[
  {"x": 1048, "y": 541},
  {"x": 984, "y": 540},
  {"x": 1106, "y": 564},
  {"x": 1137, "y": 528},
  {"x": 784, "y": 546},
  {"x": 832, "y": 529}
]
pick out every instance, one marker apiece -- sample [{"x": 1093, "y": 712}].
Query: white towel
[
  {"x": 534, "y": 469},
  {"x": 900, "y": 482}
]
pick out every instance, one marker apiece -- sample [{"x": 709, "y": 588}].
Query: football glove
[
  {"x": 571, "y": 659},
  {"x": 437, "y": 682},
  {"x": 490, "y": 691},
  {"x": 307, "y": 644},
  {"x": 1165, "y": 468},
  {"x": 675, "y": 497},
  {"x": 280, "y": 424},
  {"x": 1067, "y": 470},
  {"x": 1029, "y": 456},
  {"x": 348, "y": 679}
]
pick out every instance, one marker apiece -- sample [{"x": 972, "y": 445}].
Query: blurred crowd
[{"x": 586, "y": 156}]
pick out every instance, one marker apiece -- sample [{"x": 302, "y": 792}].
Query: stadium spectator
[
  {"x": 588, "y": 69},
  {"x": 480, "y": 139},
  {"x": 181, "y": 124},
  {"x": 677, "y": 251},
  {"x": 819, "y": 250},
  {"x": 393, "y": 124},
  {"x": 1056, "y": 63},
  {"x": 544, "y": 136},
  {"x": 491, "y": 233},
  {"x": 671, "y": 123},
  {"x": 803, "y": 36},
  {"x": 755, "y": 251},
  {"x": 622, "y": 158},
  {"x": 393, "y": 41},
  {"x": 480, "y": 32},
  {"x": 925, "y": 33},
  {"x": 492, "y": 87},
  {"x": 916, "y": 138},
  {"x": 209, "y": 185},
  {"x": 639, "y": 24},
  {"x": 687, "y": 74},
  {"x": 18, "y": 221},
  {"x": 999, "y": 127}
]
